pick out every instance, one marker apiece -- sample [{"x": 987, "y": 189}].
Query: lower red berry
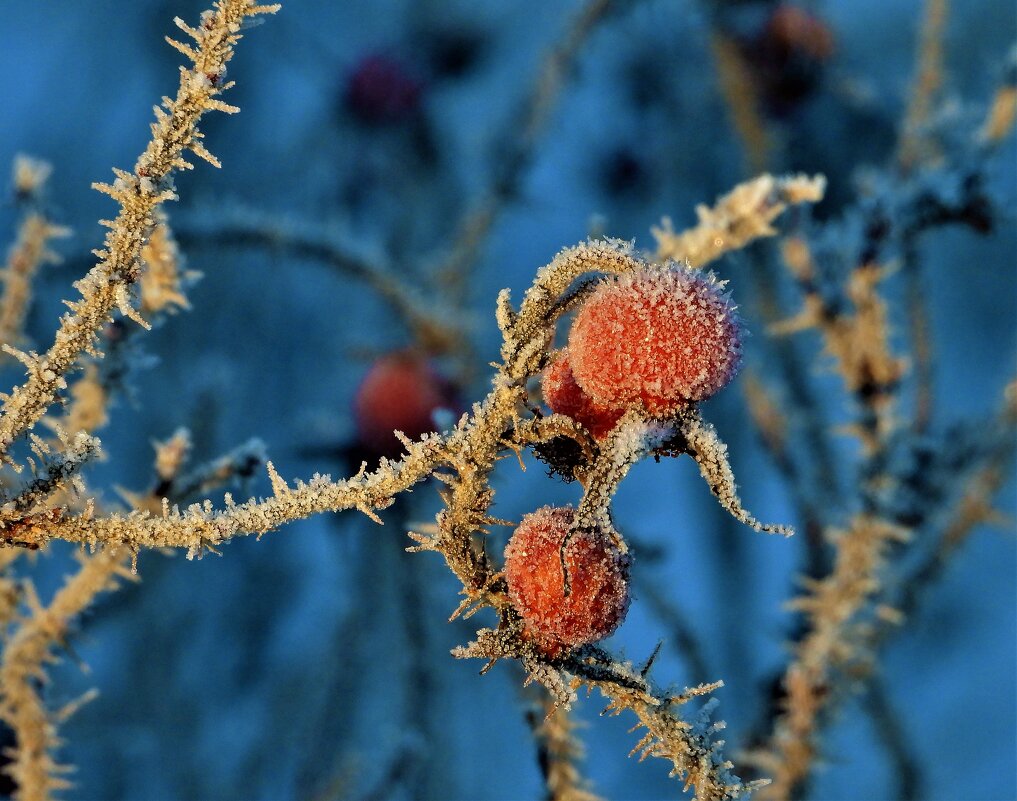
[{"x": 598, "y": 574}]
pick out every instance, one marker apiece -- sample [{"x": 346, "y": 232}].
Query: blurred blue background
[{"x": 282, "y": 669}]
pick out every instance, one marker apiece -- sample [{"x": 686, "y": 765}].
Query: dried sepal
[{"x": 701, "y": 442}]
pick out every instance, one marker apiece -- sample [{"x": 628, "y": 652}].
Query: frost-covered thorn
[{"x": 279, "y": 486}]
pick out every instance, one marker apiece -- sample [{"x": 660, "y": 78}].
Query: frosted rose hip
[
  {"x": 598, "y": 577},
  {"x": 564, "y": 396},
  {"x": 659, "y": 338}
]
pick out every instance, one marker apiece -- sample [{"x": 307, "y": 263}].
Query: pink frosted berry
[
  {"x": 598, "y": 581},
  {"x": 401, "y": 392},
  {"x": 659, "y": 338},
  {"x": 564, "y": 396}
]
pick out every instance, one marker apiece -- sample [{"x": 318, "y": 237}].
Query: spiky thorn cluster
[
  {"x": 52, "y": 472},
  {"x": 176, "y": 484},
  {"x": 108, "y": 285},
  {"x": 463, "y": 460}
]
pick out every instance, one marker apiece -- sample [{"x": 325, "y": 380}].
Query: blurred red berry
[
  {"x": 381, "y": 89},
  {"x": 401, "y": 392},
  {"x": 793, "y": 29},
  {"x": 788, "y": 55},
  {"x": 564, "y": 396},
  {"x": 658, "y": 338},
  {"x": 598, "y": 581}
]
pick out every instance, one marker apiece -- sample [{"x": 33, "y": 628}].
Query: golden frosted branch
[
  {"x": 37, "y": 774},
  {"x": 29, "y": 252},
  {"x": 559, "y": 751},
  {"x": 738, "y": 218},
  {"x": 833, "y": 607},
  {"x": 914, "y": 142},
  {"x": 469, "y": 454},
  {"x": 107, "y": 287}
]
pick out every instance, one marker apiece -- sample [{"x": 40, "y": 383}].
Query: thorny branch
[
  {"x": 108, "y": 285},
  {"x": 521, "y": 140},
  {"x": 470, "y": 451},
  {"x": 837, "y": 606}
]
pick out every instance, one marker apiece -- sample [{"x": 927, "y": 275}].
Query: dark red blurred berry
[
  {"x": 792, "y": 29},
  {"x": 382, "y": 90},
  {"x": 788, "y": 56}
]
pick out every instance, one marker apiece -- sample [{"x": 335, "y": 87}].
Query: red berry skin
[
  {"x": 598, "y": 575},
  {"x": 659, "y": 338},
  {"x": 792, "y": 29},
  {"x": 401, "y": 392},
  {"x": 564, "y": 396}
]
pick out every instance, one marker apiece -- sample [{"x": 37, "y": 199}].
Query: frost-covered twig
[
  {"x": 999, "y": 121},
  {"x": 858, "y": 342},
  {"x": 29, "y": 252},
  {"x": 21, "y": 707},
  {"x": 739, "y": 217},
  {"x": 914, "y": 142},
  {"x": 833, "y": 607},
  {"x": 56, "y": 472},
  {"x": 559, "y": 750},
  {"x": 34, "y": 770},
  {"x": 428, "y": 319},
  {"x": 702, "y": 444},
  {"x": 107, "y": 286},
  {"x": 463, "y": 460},
  {"x": 520, "y": 140}
]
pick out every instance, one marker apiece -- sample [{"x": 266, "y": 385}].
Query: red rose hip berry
[
  {"x": 401, "y": 392},
  {"x": 659, "y": 338},
  {"x": 564, "y": 396},
  {"x": 598, "y": 573},
  {"x": 382, "y": 90}
]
